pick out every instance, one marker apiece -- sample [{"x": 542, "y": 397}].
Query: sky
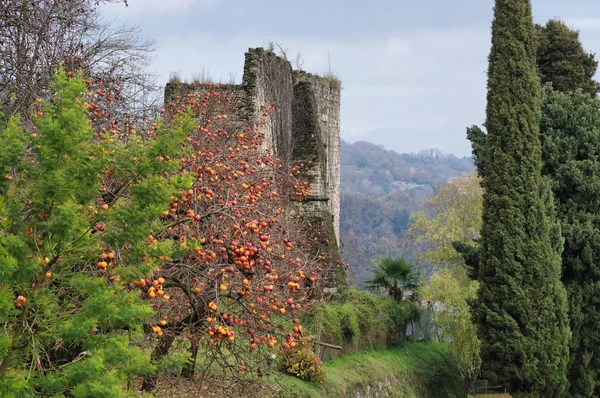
[{"x": 413, "y": 72}]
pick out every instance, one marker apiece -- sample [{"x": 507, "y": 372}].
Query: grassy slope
[{"x": 418, "y": 370}]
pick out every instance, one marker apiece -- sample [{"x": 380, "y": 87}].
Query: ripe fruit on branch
[{"x": 157, "y": 330}]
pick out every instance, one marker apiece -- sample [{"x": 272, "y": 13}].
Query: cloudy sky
[{"x": 413, "y": 72}]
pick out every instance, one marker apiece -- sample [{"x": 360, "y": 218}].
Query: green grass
[{"x": 418, "y": 370}]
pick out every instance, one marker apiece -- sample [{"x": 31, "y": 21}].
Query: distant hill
[{"x": 379, "y": 190}]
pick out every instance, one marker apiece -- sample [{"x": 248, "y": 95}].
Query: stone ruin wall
[
  {"x": 305, "y": 125},
  {"x": 327, "y": 113},
  {"x": 267, "y": 80}
]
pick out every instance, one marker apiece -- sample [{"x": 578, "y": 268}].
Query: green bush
[
  {"x": 359, "y": 320},
  {"x": 68, "y": 324}
]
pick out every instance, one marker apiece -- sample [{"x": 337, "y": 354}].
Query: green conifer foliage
[
  {"x": 571, "y": 146},
  {"x": 562, "y": 61},
  {"x": 521, "y": 304},
  {"x": 68, "y": 322}
]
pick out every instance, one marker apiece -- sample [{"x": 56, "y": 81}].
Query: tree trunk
[
  {"x": 469, "y": 382},
  {"x": 161, "y": 350},
  {"x": 396, "y": 293},
  {"x": 163, "y": 346},
  {"x": 190, "y": 369}
]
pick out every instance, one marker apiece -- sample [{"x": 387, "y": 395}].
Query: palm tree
[{"x": 393, "y": 275}]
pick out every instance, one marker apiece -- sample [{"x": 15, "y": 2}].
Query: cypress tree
[
  {"x": 521, "y": 304},
  {"x": 571, "y": 143}
]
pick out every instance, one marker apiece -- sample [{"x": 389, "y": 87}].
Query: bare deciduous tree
[{"x": 39, "y": 36}]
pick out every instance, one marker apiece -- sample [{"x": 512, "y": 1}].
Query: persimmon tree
[
  {"x": 76, "y": 210},
  {"x": 253, "y": 257}
]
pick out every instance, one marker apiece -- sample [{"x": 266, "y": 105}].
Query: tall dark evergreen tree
[
  {"x": 521, "y": 308},
  {"x": 571, "y": 148},
  {"x": 571, "y": 141},
  {"x": 570, "y": 133},
  {"x": 562, "y": 61}
]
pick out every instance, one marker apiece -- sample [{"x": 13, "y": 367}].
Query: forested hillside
[{"x": 379, "y": 191}]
